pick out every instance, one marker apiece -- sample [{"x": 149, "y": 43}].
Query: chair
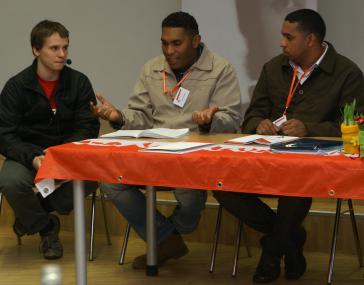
[
  {"x": 92, "y": 222},
  {"x": 239, "y": 232},
  {"x": 334, "y": 237}
]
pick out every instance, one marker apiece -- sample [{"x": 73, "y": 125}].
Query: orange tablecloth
[{"x": 223, "y": 169}]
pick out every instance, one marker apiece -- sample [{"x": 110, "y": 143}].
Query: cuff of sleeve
[
  {"x": 204, "y": 128},
  {"x": 118, "y": 125}
]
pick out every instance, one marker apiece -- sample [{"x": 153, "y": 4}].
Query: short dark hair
[
  {"x": 309, "y": 21},
  {"x": 181, "y": 20},
  {"x": 45, "y": 29}
]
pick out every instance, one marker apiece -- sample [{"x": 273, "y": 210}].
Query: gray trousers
[{"x": 31, "y": 210}]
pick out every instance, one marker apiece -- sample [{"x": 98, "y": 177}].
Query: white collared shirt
[{"x": 312, "y": 68}]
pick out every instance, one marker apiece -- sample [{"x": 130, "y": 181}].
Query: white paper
[
  {"x": 48, "y": 185},
  {"x": 158, "y": 133},
  {"x": 177, "y": 147},
  {"x": 261, "y": 139}
]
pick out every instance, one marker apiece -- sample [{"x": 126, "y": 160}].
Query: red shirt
[{"x": 49, "y": 87}]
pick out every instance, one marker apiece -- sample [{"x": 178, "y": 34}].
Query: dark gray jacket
[{"x": 318, "y": 102}]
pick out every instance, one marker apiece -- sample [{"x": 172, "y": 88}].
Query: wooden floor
[{"x": 22, "y": 265}]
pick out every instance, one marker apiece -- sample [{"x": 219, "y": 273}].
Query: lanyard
[
  {"x": 292, "y": 88},
  {"x": 171, "y": 91}
]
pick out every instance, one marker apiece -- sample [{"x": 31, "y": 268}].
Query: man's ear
[
  {"x": 311, "y": 39},
  {"x": 35, "y": 51},
  {"x": 196, "y": 40}
]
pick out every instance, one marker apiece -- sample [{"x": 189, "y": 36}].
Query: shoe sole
[
  {"x": 52, "y": 257},
  {"x": 181, "y": 254}
]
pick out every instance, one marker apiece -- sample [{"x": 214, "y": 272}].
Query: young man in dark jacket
[{"x": 44, "y": 105}]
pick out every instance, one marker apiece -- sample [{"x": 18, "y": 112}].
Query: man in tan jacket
[{"x": 186, "y": 87}]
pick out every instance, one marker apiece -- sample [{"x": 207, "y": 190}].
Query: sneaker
[
  {"x": 172, "y": 247},
  {"x": 50, "y": 245}
]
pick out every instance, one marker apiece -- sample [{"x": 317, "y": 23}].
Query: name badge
[
  {"x": 181, "y": 97},
  {"x": 280, "y": 121}
]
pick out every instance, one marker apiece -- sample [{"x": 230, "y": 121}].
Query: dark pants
[
  {"x": 31, "y": 210},
  {"x": 280, "y": 228}
]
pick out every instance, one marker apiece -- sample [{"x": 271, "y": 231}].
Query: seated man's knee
[
  {"x": 15, "y": 178},
  {"x": 118, "y": 191},
  {"x": 191, "y": 199},
  {"x": 12, "y": 187}
]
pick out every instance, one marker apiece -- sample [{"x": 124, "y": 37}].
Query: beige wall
[
  {"x": 345, "y": 22},
  {"x": 109, "y": 40},
  {"x": 247, "y": 32}
]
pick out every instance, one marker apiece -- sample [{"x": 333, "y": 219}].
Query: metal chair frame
[
  {"x": 92, "y": 222},
  {"x": 335, "y": 234}
]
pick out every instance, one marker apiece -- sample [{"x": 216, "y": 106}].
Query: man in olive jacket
[
  {"x": 44, "y": 105},
  {"x": 301, "y": 92}
]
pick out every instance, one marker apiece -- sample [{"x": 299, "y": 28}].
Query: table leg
[
  {"x": 333, "y": 243},
  {"x": 80, "y": 244},
  {"x": 152, "y": 265}
]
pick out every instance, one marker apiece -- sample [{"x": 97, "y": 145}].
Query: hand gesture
[
  {"x": 105, "y": 110},
  {"x": 205, "y": 116}
]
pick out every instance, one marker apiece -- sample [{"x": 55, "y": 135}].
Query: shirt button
[{"x": 300, "y": 92}]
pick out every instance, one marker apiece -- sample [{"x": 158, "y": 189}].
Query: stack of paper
[
  {"x": 176, "y": 147},
  {"x": 158, "y": 133},
  {"x": 261, "y": 139}
]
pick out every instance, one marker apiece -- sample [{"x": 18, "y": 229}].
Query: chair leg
[
  {"x": 125, "y": 243},
  {"x": 237, "y": 248},
  {"x": 102, "y": 198},
  {"x": 216, "y": 239},
  {"x": 92, "y": 226},
  {"x": 334, "y": 240},
  {"x": 356, "y": 234},
  {"x": 1, "y": 201},
  {"x": 18, "y": 239}
]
